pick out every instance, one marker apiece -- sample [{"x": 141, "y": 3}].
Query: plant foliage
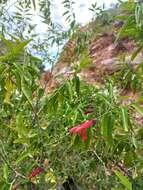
[{"x": 79, "y": 134}]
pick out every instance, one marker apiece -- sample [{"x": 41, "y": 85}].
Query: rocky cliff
[{"x": 101, "y": 55}]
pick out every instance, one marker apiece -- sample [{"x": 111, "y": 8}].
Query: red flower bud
[{"x": 36, "y": 172}]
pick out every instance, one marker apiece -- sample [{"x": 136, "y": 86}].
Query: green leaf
[
  {"x": 22, "y": 157},
  {"x": 138, "y": 108},
  {"x": 127, "y": 28},
  {"x": 2, "y": 68},
  {"x": 85, "y": 61},
  {"x": 69, "y": 88},
  {"x": 110, "y": 92},
  {"x": 77, "y": 84},
  {"x": 129, "y": 158},
  {"x": 9, "y": 88},
  {"x": 34, "y": 4},
  {"x": 76, "y": 141},
  {"x": 8, "y": 43},
  {"x": 136, "y": 52},
  {"x": 124, "y": 117},
  {"x": 26, "y": 90},
  {"x": 18, "y": 79},
  {"x": 14, "y": 38},
  {"x": 21, "y": 129},
  {"x": 65, "y": 13},
  {"x": 107, "y": 127},
  {"x": 14, "y": 52},
  {"x": 24, "y": 141},
  {"x": 124, "y": 180},
  {"x": 20, "y": 46},
  {"x": 5, "y": 172}
]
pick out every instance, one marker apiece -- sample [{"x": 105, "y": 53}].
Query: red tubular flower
[
  {"x": 36, "y": 172},
  {"x": 81, "y": 129}
]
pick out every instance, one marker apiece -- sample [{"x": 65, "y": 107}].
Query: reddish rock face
[
  {"x": 48, "y": 82},
  {"x": 105, "y": 53}
]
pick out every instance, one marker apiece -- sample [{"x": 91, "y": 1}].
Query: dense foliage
[{"x": 80, "y": 134}]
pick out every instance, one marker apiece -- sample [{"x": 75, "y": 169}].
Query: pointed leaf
[
  {"x": 77, "y": 84},
  {"x": 124, "y": 180},
  {"x": 9, "y": 88},
  {"x": 8, "y": 43},
  {"x": 26, "y": 90},
  {"x": 136, "y": 52},
  {"x": 21, "y": 129},
  {"x": 138, "y": 108},
  {"x": 107, "y": 127},
  {"x": 23, "y": 157},
  {"x": 5, "y": 172},
  {"x": 34, "y": 4},
  {"x": 124, "y": 117}
]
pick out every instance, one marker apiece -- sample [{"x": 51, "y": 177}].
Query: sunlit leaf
[
  {"x": 124, "y": 180},
  {"x": 22, "y": 157},
  {"x": 5, "y": 172},
  {"x": 124, "y": 117},
  {"x": 21, "y": 129},
  {"x": 26, "y": 90},
  {"x": 107, "y": 127},
  {"x": 9, "y": 86},
  {"x": 138, "y": 50},
  {"x": 138, "y": 108}
]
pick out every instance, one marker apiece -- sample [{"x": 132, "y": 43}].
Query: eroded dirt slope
[{"x": 105, "y": 56}]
